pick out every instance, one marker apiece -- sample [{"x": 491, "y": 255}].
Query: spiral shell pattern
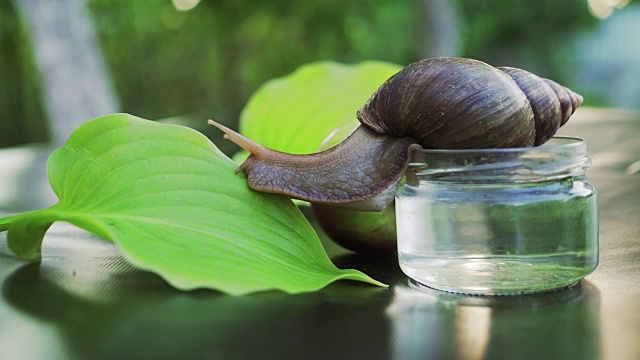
[{"x": 454, "y": 103}]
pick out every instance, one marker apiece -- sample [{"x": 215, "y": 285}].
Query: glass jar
[{"x": 499, "y": 221}]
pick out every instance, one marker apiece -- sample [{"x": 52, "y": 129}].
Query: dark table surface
[{"x": 85, "y": 302}]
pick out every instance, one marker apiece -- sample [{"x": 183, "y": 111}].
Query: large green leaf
[
  {"x": 172, "y": 202},
  {"x": 314, "y": 104}
]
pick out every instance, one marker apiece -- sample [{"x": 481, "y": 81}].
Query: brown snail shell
[
  {"x": 450, "y": 103},
  {"x": 433, "y": 103}
]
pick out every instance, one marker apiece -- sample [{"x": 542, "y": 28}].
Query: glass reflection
[{"x": 430, "y": 324}]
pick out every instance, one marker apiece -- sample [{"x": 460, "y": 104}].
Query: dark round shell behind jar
[{"x": 453, "y": 103}]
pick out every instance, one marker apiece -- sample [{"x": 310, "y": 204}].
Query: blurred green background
[{"x": 191, "y": 60}]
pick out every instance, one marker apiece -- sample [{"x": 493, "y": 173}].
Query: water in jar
[{"x": 498, "y": 238}]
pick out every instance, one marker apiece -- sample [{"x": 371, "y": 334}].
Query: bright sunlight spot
[
  {"x": 185, "y": 5},
  {"x": 603, "y": 8}
]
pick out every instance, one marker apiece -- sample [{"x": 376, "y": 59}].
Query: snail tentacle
[{"x": 249, "y": 145}]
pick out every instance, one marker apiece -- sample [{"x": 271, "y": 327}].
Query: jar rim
[
  {"x": 566, "y": 142},
  {"x": 561, "y": 157}
]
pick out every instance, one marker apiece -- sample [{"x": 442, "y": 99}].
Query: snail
[{"x": 447, "y": 103}]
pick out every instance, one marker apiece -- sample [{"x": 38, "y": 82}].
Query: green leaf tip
[{"x": 174, "y": 205}]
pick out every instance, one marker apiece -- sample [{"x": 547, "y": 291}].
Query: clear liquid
[{"x": 507, "y": 239}]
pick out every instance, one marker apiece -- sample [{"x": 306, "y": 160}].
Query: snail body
[{"x": 448, "y": 103}]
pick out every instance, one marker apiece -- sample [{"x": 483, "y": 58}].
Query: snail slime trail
[{"x": 511, "y": 225}]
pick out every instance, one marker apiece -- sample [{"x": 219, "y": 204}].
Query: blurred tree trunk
[
  {"x": 22, "y": 119},
  {"x": 75, "y": 83},
  {"x": 439, "y": 28}
]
